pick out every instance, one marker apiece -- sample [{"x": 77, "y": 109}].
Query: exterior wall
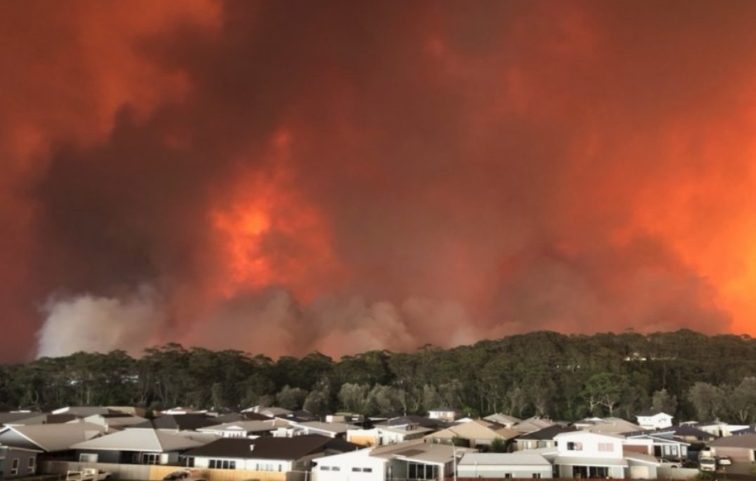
[
  {"x": 354, "y": 466},
  {"x": 614, "y": 472},
  {"x": 660, "y": 421},
  {"x": 268, "y": 465},
  {"x": 23, "y": 457},
  {"x": 737, "y": 454},
  {"x": 157, "y": 473},
  {"x": 590, "y": 444},
  {"x": 492, "y": 471}
]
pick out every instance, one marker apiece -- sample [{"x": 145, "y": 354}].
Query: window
[
  {"x": 14, "y": 467},
  {"x": 422, "y": 471},
  {"x": 32, "y": 464},
  {"x": 87, "y": 458},
  {"x": 335, "y": 468},
  {"x": 367, "y": 470},
  {"x": 325, "y": 468},
  {"x": 507, "y": 475},
  {"x": 606, "y": 447},
  {"x": 356, "y": 470},
  {"x": 574, "y": 446},
  {"x": 221, "y": 464},
  {"x": 150, "y": 458},
  {"x": 536, "y": 475}
]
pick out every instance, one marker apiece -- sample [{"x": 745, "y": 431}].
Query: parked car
[
  {"x": 184, "y": 475},
  {"x": 724, "y": 461},
  {"x": 707, "y": 464}
]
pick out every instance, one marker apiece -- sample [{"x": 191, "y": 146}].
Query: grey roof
[
  {"x": 142, "y": 440},
  {"x": 504, "y": 459},
  {"x": 180, "y": 422},
  {"x": 16, "y": 416},
  {"x": 57, "y": 437},
  {"x": 747, "y": 441}
]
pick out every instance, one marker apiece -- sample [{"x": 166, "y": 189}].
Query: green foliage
[
  {"x": 541, "y": 373},
  {"x": 498, "y": 445}
]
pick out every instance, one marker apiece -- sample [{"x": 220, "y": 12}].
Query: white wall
[
  {"x": 591, "y": 445},
  {"x": 352, "y": 466},
  {"x": 274, "y": 465},
  {"x": 658, "y": 421},
  {"x": 500, "y": 471}
]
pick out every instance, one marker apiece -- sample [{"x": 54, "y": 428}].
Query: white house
[
  {"x": 584, "y": 454},
  {"x": 443, "y": 414},
  {"x": 504, "y": 465},
  {"x": 654, "y": 420},
  {"x": 352, "y": 466},
  {"x": 382, "y": 435}
]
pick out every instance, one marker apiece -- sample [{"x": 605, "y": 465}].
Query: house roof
[
  {"x": 142, "y": 440},
  {"x": 738, "y": 441},
  {"x": 414, "y": 419},
  {"x": 504, "y": 459},
  {"x": 246, "y": 416},
  {"x": 548, "y": 433},
  {"x": 16, "y": 416},
  {"x": 478, "y": 429},
  {"x": 337, "y": 428},
  {"x": 419, "y": 451},
  {"x": 81, "y": 411},
  {"x": 247, "y": 426},
  {"x": 690, "y": 431},
  {"x": 502, "y": 418},
  {"x": 181, "y": 422},
  {"x": 56, "y": 437},
  {"x": 532, "y": 424},
  {"x": 271, "y": 448}
]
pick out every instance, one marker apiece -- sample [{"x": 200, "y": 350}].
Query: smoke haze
[{"x": 340, "y": 176}]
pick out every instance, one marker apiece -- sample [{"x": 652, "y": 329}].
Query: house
[
  {"x": 721, "y": 429},
  {"x": 504, "y": 419},
  {"x": 331, "y": 430},
  {"x": 532, "y": 424},
  {"x": 391, "y": 432},
  {"x": 690, "y": 434},
  {"x": 81, "y": 411},
  {"x": 660, "y": 445},
  {"x": 418, "y": 460},
  {"x": 475, "y": 434},
  {"x": 352, "y": 466},
  {"x": 17, "y": 462},
  {"x": 446, "y": 414},
  {"x": 135, "y": 446},
  {"x": 246, "y": 416},
  {"x": 609, "y": 425},
  {"x": 585, "y": 454},
  {"x": 503, "y": 466},
  {"x": 740, "y": 448},
  {"x": 114, "y": 421},
  {"x": 654, "y": 419},
  {"x": 268, "y": 454},
  {"x": 49, "y": 438},
  {"x": 543, "y": 438},
  {"x": 245, "y": 429}
]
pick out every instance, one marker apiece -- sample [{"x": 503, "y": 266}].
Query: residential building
[
  {"x": 503, "y": 466},
  {"x": 543, "y": 438},
  {"x": 476, "y": 433},
  {"x": 654, "y": 419},
  {"x": 740, "y": 448},
  {"x": 17, "y": 462},
  {"x": 135, "y": 446}
]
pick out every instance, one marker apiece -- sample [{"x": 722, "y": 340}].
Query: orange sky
[{"x": 283, "y": 177}]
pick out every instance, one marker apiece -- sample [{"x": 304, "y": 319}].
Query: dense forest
[{"x": 542, "y": 373}]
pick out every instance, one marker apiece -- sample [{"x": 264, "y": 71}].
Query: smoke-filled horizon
[{"x": 283, "y": 177}]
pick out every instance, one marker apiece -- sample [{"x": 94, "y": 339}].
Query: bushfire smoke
[{"x": 290, "y": 176}]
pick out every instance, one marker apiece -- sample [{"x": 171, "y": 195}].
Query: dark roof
[
  {"x": 272, "y": 448},
  {"x": 181, "y": 422},
  {"x": 548, "y": 433},
  {"x": 233, "y": 417},
  {"x": 419, "y": 420},
  {"x": 690, "y": 431},
  {"x": 60, "y": 418}
]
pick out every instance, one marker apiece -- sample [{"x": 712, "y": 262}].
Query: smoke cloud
[
  {"x": 290, "y": 176},
  {"x": 101, "y": 324}
]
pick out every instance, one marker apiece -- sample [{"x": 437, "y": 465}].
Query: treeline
[{"x": 692, "y": 375}]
